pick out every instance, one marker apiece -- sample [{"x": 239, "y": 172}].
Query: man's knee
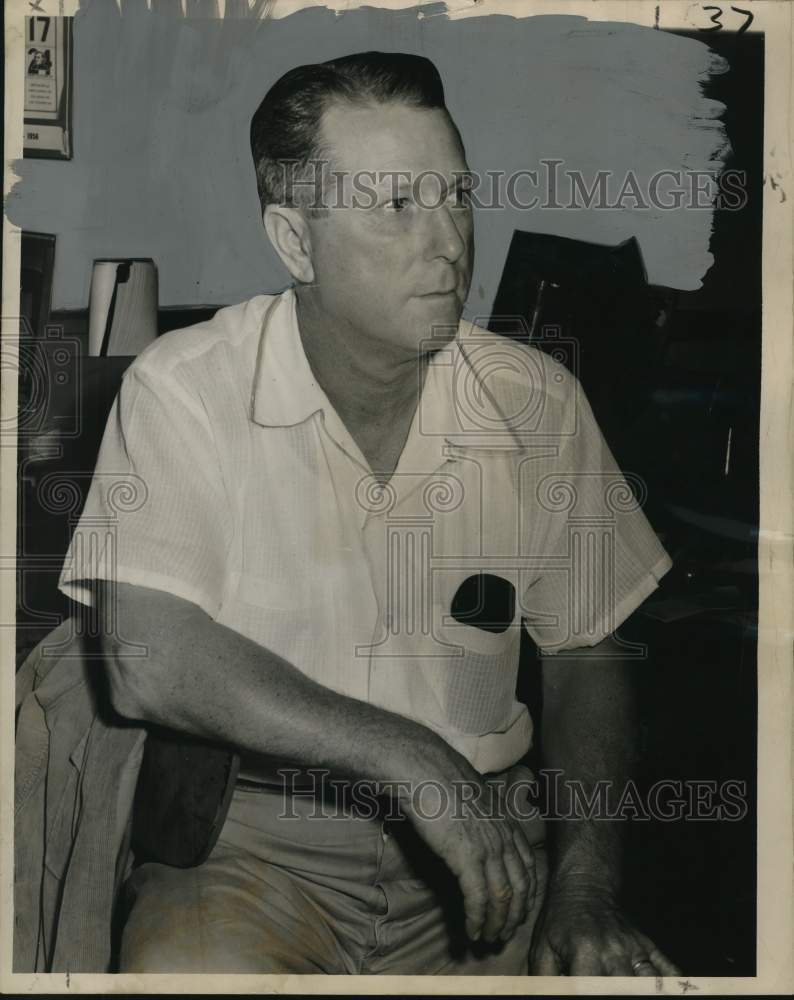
[
  {"x": 171, "y": 938},
  {"x": 161, "y": 930},
  {"x": 157, "y": 954},
  {"x": 214, "y": 919}
]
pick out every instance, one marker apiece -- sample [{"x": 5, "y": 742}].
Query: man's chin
[{"x": 440, "y": 316}]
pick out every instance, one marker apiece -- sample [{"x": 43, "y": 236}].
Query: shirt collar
[
  {"x": 285, "y": 391},
  {"x": 456, "y": 407}
]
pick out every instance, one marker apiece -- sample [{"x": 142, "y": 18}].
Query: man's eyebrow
[
  {"x": 463, "y": 180},
  {"x": 403, "y": 180},
  {"x": 392, "y": 180}
]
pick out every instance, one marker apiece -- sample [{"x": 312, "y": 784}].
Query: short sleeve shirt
[{"x": 227, "y": 478}]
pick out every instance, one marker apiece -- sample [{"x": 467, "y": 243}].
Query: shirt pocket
[{"x": 477, "y": 686}]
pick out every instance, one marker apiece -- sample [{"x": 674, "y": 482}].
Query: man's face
[{"x": 396, "y": 267}]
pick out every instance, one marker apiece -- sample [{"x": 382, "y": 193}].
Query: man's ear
[{"x": 288, "y": 231}]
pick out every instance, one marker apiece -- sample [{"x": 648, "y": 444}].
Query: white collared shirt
[{"x": 227, "y": 478}]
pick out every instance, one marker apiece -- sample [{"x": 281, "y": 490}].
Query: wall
[{"x": 162, "y": 106}]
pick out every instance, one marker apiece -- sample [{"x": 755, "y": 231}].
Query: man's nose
[{"x": 445, "y": 238}]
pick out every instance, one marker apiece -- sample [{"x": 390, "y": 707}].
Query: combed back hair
[{"x": 285, "y": 129}]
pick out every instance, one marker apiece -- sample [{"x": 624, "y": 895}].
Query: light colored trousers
[{"x": 338, "y": 895}]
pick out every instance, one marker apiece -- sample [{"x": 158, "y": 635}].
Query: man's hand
[
  {"x": 582, "y": 932},
  {"x": 264, "y": 705},
  {"x": 486, "y": 849}
]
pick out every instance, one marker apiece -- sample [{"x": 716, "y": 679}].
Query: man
[{"x": 351, "y": 503}]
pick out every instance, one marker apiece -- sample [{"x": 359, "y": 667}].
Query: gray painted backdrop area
[{"x": 162, "y": 106}]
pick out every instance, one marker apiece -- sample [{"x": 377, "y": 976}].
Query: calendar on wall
[{"x": 48, "y": 88}]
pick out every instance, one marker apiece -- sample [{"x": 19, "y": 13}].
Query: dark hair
[{"x": 285, "y": 129}]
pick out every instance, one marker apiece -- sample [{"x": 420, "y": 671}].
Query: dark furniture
[{"x": 674, "y": 382}]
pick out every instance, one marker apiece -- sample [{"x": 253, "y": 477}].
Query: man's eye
[{"x": 396, "y": 204}]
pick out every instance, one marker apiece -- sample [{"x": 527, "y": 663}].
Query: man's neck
[{"x": 369, "y": 385}]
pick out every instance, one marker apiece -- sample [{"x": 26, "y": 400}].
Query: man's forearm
[
  {"x": 205, "y": 679},
  {"x": 589, "y": 734}
]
